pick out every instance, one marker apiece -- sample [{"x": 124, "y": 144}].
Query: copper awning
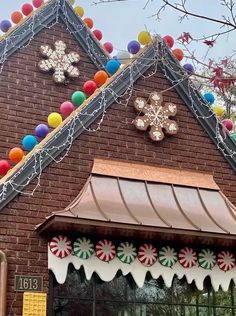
[{"x": 139, "y": 200}]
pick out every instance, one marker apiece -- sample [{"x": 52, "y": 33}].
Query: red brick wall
[{"x": 28, "y": 96}]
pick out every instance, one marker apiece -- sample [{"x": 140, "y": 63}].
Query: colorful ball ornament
[
  {"x": 188, "y": 68},
  {"x": 228, "y": 124},
  {"x": 16, "y": 17},
  {"x": 226, "y": 260},
  {"x": 79, "y": 10},
  {"x": 26, "y": 9},
  {"x": 178, "y": 53},
  {"x": 54, "y": 119},
  {"x": 29, "y": 142},
  {"x": 147, "y": 254},
  {"x": 233, "y": 136},
  {"x": 209, "y": 97},
  {"x": 60, "y": 246},
  {"x": 41, "y": 131},
  {"x": 169, "y": 41},
  {"x": 16, "y": 154},
  {"x": 123, "y": 57},
  {"x": 206, "y": 259},
  {"x": 37, "y": 3},
  {"x": 219, "y": 111},
  {"x": 89, "y": 87},
  {"x": 168, "y": 256},
  {"x": 5, "y": 25},
  {"x": 83, "y": 248},
  {"x": 105, "y": 250},
  {"x": 112, "y": 66},
  {"x": 108, "y": 47},
  {"x": 100, "y": 77},
  {"x": 144, "y": 38},
  {"x": 97, "y": 34},
  {"x": 4, "y": 167},
  {"x": 126, "y": 252},
  {"x": 78, "y": 97},
  {"x": 88, "y": 22},
  {"x": 66, "y": 108},
  {"x": 187, "y": 257},
  {"x": 133, "y": 47}
]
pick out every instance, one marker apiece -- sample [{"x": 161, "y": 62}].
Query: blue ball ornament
[
  {"x": 209, "y": 97},
  {"x": 188, "y": 68},
  {"x": 41, "y": 131},
  {"x": 29, "y": 141},
  {"x": 112, "y": 66},
  {"x": 133, "y": 47},
  {"x": 5, "y": 25}
]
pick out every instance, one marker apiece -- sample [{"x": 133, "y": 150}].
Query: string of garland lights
[{"x": 116, "y": 70}]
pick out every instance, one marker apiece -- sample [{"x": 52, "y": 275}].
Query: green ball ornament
[
  {"x": 233, "y": 136},
  {"x": 78, "y": 97}
]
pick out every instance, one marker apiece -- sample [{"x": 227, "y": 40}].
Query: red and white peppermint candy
[
  {"x": 105, "y": 250},
  {"x": 60, "y": 246},
  {"x": 187, "y": 257},
  {"x": 147, "y": 254},
  {"x": 225, "y": 260}
]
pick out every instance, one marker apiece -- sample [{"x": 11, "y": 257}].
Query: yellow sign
[{"x": 34, "y": 304}]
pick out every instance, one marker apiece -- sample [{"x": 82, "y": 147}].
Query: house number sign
[{"x": 26, "y": 283}]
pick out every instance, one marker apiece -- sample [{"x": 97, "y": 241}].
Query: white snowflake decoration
[{"x": 58, "y": 61}]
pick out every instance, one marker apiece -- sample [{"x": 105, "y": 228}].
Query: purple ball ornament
[
  {"x": 5, "y": 25},
  {"x": 188, "y": 68},
  {"x": 41, "y": 131},
  {"x": 133, "y": 47}
]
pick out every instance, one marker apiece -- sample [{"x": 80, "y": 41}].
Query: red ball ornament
[
  {"x": 228, "y": 124},
  {"x": 27, "y": 8},
  {"x": 97, "y": 34},
  {"x": 88, "y": 22},
  {"x": 178, "y": 53},
  {"x": 108, "y": 47},
  {"x": 16, "y": 17},
  {"x": 89, "y": 87},
  {"x": 4, "y": 167},
  {"x": 37, "y": 3},
  {"x": 169, "y": 41},
  {"x": 66, "y": 108}
]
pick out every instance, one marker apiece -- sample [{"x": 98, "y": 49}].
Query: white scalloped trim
[{"x": 108, "y": 270}]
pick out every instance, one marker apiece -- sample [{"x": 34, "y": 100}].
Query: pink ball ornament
[
  {"x": 89, "y": 87},
  {"x": 169, "y": 41},
  {"x": 228, "y": 124},
  {"x": 97, "y": 34},
  {"x": 27, "y": 8},
  {"x": 108, "y": 47},
  {"x": 37, "y": 3},
  {"x": 66, "y": 108}
]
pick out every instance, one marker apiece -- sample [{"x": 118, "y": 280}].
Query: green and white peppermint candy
[
  {"x": 206, "y": 259},
  {"x": 126, "y": 252},
  {"x": 83, "y": 248},
  {"x": 168, "y": 256}
]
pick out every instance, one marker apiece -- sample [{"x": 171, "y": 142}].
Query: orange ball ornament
[
  {"x": 100, "y": 77},
  {"x": 16, "y": 154},
  {"x": 16, "y": 17},
  {"x": 88, "y": 22},
  {"x": 178, "y": 53}
]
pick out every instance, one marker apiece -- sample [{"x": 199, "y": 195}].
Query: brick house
[{"x": 152, "y": 224}]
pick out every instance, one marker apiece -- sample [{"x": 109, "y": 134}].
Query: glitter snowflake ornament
[
  {"x": 59, "y": 62},
  {"x": 156, "y": 116}
]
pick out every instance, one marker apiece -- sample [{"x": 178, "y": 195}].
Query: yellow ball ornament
[
  {"x": 79, "y": 10},
  {"x": 144, "y": 38},
  {"x": 54, "y": 119},
  {"x": 219, "y": 111},
  {"x": 72, "y": 2}
]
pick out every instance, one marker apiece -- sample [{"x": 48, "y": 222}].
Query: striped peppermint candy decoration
[
  {"x": 60, "y": 246},
  {"x": 225, "y": 260},
  {"x": 168, "y": 256},
  {"x": 187, "y": 257},
  {"x": 206, "y": 259},
  {"x": 83, "y": 248},
  {"x": 147, "y": 254},
  {"x": 105, "y": 250},
  {"x": 126, "y": 252}
]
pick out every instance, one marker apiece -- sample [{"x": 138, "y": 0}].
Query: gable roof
[{"x": 57, "y": 141}]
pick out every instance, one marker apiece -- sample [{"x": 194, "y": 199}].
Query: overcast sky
[{"x": 122, "y": 21}]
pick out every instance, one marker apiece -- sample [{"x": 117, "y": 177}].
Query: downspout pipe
[{"x": 3, "y": 283}]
